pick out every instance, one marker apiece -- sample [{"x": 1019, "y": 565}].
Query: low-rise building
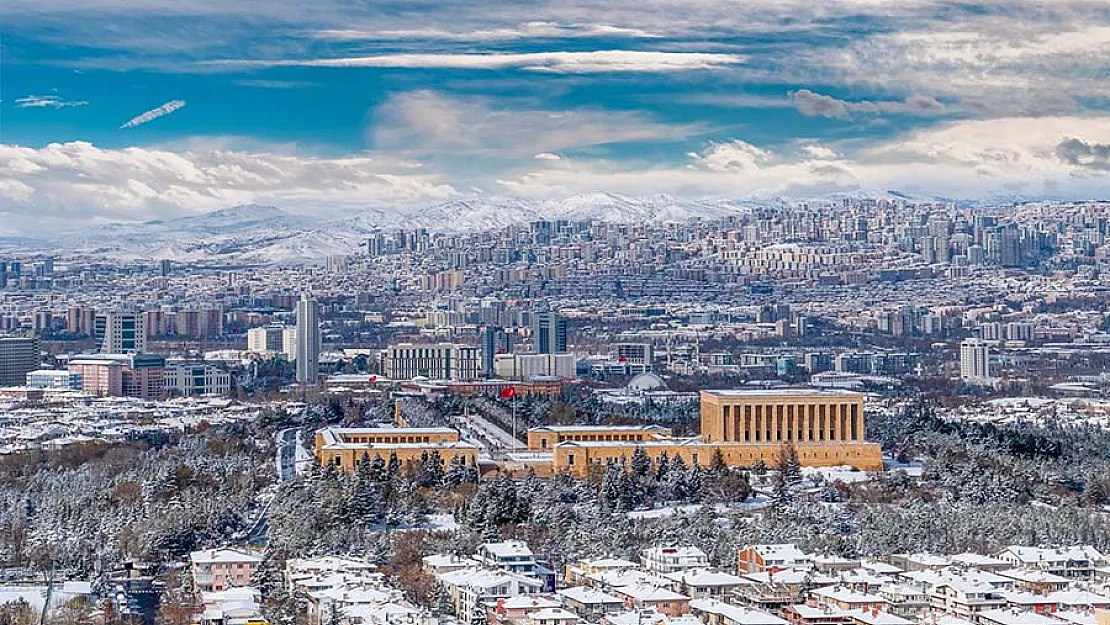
[
  {"x": 757, "y": 558},
  {"x": 54, "y": 379},
  {"x": 215, "y": 570},
  {"x": 664, "y": 559}
]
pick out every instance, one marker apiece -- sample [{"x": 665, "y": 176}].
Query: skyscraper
[
  {"x": 549, "y": 333},
  {"x": 975, "y": 361},
  {"x": 308, "y": 340}
]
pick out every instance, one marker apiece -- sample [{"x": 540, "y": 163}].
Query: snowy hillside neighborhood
[{"x": 852, "y": 411}]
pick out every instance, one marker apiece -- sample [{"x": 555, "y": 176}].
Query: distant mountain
[{"x": 254, "y": 233}]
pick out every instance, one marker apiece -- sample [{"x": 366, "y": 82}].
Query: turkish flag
[
  {"x": 373, "y": 379},
  {"x": 508, "y": 392}
]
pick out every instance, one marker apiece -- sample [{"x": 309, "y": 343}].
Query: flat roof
[
  {"x": 783, "y": 392},
  {"x": 599, "y": 428}
]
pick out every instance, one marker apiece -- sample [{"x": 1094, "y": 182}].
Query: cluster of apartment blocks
[
  {"x": 145, "y": 376},
  {"x": 778, "y": 584},
  {"x": 824, "y": 428}
]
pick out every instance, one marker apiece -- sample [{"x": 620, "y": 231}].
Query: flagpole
[{"x": 514, "y": 420}]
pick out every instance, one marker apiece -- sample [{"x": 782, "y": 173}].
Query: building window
[{"x": 570, "y": 459}]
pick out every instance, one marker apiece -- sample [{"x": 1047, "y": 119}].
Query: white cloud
[
  {"x": 429, "y": 121},
  {"x": 527, "y": 30},
  {"x": 599, "y": 61},
  {"x": 963, "y": 159},
  {"x": 81, "y": 181},
  {"x": 732, "y": 156},
  {"x": 820, "y": 152},
  {"x": 154, "y": 113},
  {"x": 547, "y": 156},
  {"x": 47, "y": 101},
  {"x": 815, "y": 104}
]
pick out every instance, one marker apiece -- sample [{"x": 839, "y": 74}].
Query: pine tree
[
  {"x": 717, "y": 465},
  {"x": 641, "y": 463},
  {"x": 662, "y": 467}
]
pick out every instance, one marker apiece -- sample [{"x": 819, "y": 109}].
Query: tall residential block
[
  {"x": 308, "y": 340},
  {"x": 975, "y": 361}
]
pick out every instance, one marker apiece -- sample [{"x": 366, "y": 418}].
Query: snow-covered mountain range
[{"x": 266, "y": 234}]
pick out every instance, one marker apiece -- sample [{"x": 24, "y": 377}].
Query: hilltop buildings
[{"x": 742, "y": 428}]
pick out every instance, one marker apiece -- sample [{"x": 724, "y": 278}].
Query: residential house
[
  {"x": 590, "y": 603},
  {"x": 1075, "y": 561},
  {"x": 807, "y": 614},
  {"x": 1008, "y": 616},
  {"x": 1035, "y": 581},
  {"x": 965, "y": 599},
  {"x": 713, "y": 612},
  {"x": 758, "y": 558},
  {"x": 553, "y": 616},
  {"x": 577, "y": 572},
  {"x": 216, "y": 570},
  {"x": 699, "y": 583},
  {"x": 471, "y": 589},
  {"x": 661, "y": 599},
  {"x": 663, "y": 560},
  {"x": 847, "y": 599}
]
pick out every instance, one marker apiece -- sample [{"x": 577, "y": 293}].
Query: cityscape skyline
[{"x": 356, "y": 107}]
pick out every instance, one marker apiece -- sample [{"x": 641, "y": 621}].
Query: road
[
  {"x": 287, "y": 442},
  {"x": 496, "y": 441}
]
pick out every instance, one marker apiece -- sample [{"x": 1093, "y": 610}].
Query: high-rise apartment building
[
  {"x": 121, "y": 333},
  {"x": 549, "y": 333},
  {"x": 307, "y": 340},
  {"x": 975, "y": 361},
  {"x": 19, "y": 355}
]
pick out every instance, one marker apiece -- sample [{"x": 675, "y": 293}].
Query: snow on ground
[
  {"x": 442, "y": 522},
  {"x": 838, "y": 474},
  {"x": 912, "y": 468},
  {"x": 753, "y": 503}
]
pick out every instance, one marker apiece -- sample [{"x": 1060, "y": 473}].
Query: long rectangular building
[
  {"x": 343, "y": 448},
  {"x": 825, "y": 428}
]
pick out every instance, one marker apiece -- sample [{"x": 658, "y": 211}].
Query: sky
[{"x": 133, "y": 110}]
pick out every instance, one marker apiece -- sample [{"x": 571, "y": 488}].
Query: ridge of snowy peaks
[
  {"x": 238, "y": 218},
  {"x": 622, "y": 209}
]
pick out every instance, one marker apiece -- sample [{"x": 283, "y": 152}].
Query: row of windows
[{"x": 386, "y": 439}]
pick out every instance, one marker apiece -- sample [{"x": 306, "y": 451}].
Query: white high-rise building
[
  {"x": 975, "y": 361},
  {"x": 307, "y": 340}
]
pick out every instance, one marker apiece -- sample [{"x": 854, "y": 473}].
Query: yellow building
[
  {"x": 825, "y": 428},
  {"x": 797, "y": 415},
  {"x": 344, "y": 447},
  {"x": 546, "y": 437}
]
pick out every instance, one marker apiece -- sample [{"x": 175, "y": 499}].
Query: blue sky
[{"x": 336, "y": 104}]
